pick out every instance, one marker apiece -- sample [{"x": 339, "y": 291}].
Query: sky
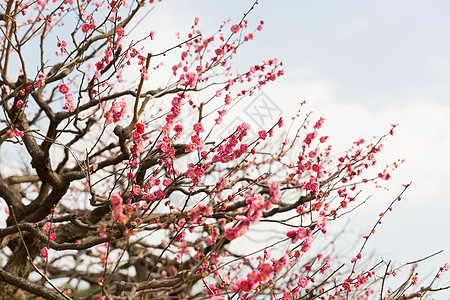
[{"x": 362, "y": 65}]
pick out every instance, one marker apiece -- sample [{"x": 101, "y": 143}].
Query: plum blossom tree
[{"x": 119, "y": 189}]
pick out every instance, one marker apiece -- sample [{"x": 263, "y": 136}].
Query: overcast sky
[{"x": 362, "y": 65}]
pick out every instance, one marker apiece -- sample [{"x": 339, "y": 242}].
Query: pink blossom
[
  {"x": 234, "y": 28},
  {"x": 140, "y": 127},
  {"x": 323, "y": 139},
  {"x": 63, "y": 88},
  {"x": 188, "y": 79},
  {"x": 117, "y": 214},
  {"x": 319, "y": 123},
  {"x": 61, "y": 44},
  {"x": 44, "y": 252},
  {"x": 198, "y": 128},
  {"x": 303, "y": 282},
  {"x": 274, "y": 188},
  {"x": 14, "y": 133},
  {"x": 178, "y": 128},
  {"x": 160, "y": 194},
  {"x": 19, "y": 104},
  {"x": 307, "y": 244},
  {"x": 120, "y": 31},
  {"x": 234, "y": 233},
  {"x": 46, "y": 227},
  {"x": 117, "y": 111},
  {"x": 321, "y": 222},
  {"x": 329, "y": 262},
  {"x": 116, "y": 199},
  {"x": 149, "y": 197},
  {"x": 136, "y": 189},
  {"x": 228, "y": 99},
  {"x": 280, "y": 122},
  {"x": 69, "y": 102},
  {"x": 253, "y": 276},
  {"x": 262, "y": 134},
  {"x": 85, "y": 27},
  {"x": 6, "y": 89},
  {"x": 52, "y": 236},
  {"x": 266, "y": 268},
  {"x": 346, "y": 286},
  {"x": 296, "y": 235},
  {"x": 245, "y": 285}
]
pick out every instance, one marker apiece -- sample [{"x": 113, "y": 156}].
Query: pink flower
[
  {"x": 245, "y": 285},
  {"x": 116, "y": 199},
  {"x": 321, "y": 222},
  {"x": 261, "y": 23},
  {"x": 140, "y": 127},
  {"x": 46, "y": 227},
  {"x": 234, "y": 28},
  {"x": 52, "y": 236},
  {"x": 319, "y": 123},
  {"x": 117, "y": 213},
  {"x": 323, "y": 139},
  {"x": 447, "y": 266},
  {"x": 296, "y": 235},
  {"x": 253, "y": 276},
  {"x": 266, "y": 269},
  {"x": 136, "y": 189},
  {"x": 178, "y": 128},
  {"x": 117, "y": 111},
  {"x": 280, "y": 122},
  {"x": 19, "y": 104},
  {"x": 61, "y": 44},
  {"x": 63, "y": 88},
  {"x": 303, "y": 282},
  {"x": 120, "y": 31},
  {"x": 262, "y": 134},
  {"x": 188, "y": 79},
  {"x": 6, "y": 89},
  {"x": 307, "y": 244},
  {"x": 44, "y": 252},
  {"x": 14, "y": 133},
  {"x": 228, "y": 99},
  {"x": 274, "y": 188},
  {"x": 85, "y": 28},
  {"x": 329, "y": 262},
  {"x": 198, "y": 127},
  {"x": 160, "y": 194},
  {"x": 414, "y": 280},
  {"x": 69, "y": 102},
  {"x": 234, "y": 233},
  {"x": 149, "y": 197}
]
